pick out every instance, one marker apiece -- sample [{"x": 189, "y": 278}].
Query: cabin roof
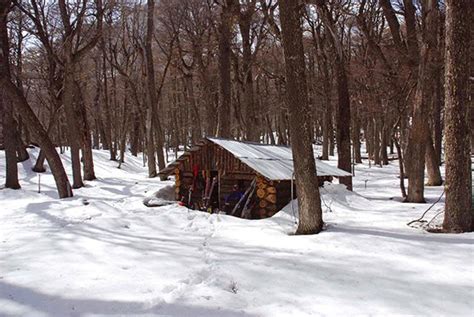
[{"x": 275, "y": 162}]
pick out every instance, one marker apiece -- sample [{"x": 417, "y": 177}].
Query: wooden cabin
[{"x": 210, "y": 171}]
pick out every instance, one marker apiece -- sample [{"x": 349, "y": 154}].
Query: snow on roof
[{"x": 272, "y": 161}]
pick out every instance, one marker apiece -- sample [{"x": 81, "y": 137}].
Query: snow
[{"x": 104, "y": 253}]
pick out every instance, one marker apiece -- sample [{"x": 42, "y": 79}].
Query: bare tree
[
  {"x": 24, "y": 109},
  {"x": 309, "y": 202}
]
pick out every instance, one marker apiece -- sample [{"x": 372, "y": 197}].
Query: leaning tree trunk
[
  {"x": 309, "y": 202},
  {"x": 458, "y": 216},
  {"x": 39, "y": 165}
]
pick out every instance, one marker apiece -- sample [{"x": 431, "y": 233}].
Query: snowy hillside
[{"x": 103, "y": 253}]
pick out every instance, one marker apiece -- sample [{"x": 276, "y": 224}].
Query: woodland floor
[{"x": 103, "y": 253}]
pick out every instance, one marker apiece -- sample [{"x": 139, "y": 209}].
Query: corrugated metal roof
[
  {"x": 272, "y": 161},
  {"x": 275, "y": 162}
]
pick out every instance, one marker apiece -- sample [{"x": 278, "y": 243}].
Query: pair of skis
[
  {"x": 248, "y": 193},
  {"x": 208, "y": 192}
]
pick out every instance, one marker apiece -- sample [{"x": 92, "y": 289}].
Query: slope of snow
[{"x": 103, "y": 253}]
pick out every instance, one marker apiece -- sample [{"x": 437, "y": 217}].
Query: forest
[{"x": 101, "y": 95}]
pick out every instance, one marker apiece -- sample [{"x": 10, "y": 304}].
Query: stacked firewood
[
  {"x": 267, "y": 195},
  {"x": 177, "y": 183}
]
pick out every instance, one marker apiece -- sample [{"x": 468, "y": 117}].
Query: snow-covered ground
[{"x": 103, "y": 253}]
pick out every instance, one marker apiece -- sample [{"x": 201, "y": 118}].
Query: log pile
[
  {"x": 267, "y": 196},
  {"x": 177, "y": 183}
]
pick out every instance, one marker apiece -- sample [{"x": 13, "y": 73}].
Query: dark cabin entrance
[{"x": 198, "y": 190}]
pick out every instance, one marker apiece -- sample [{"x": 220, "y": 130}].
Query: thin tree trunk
[
  {"x": 73, "y": 131},
  {"x": 224, "y": 35},
  {"x": 432, "y": 165},
  {"x": 400, "y": 163},
  {"x": 251, "y": 119},
  {"x": 151, "y": 94},
  {"x": 356, "y": 136},
  {"x": 376, "y": 141},
  {"x": 87, "y": 155},
  {"x": 383, "y": 145}
]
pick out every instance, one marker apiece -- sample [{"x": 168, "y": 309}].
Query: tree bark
[
  {"x": 87, "y": 155},
  {"x": 383, "y": 143},
  {"x": 10, "y": 141},
  {"x": 309, "y": 202},
  {"x": 459, "y": 212},
  {"x": 73, "y": 132},
  {"x": 419, "y": 132},
  {"x": 251, "y": 120},
  {"x": 432, "y": 165},
  {"x": 151, "y": 95},
  {"x": 225, "y": 36}
]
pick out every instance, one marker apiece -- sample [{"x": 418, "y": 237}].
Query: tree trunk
[
  {"x": 400, "y": 163},
  {"x": 151, "y": 95},
  {"x": 376, "y": 141},
  {"x": 39, "y": 165},
  {"x": 251, "y": 120},
  {"x": 87, "y": 155},
  {"x": 343, "y": 123},
  {"x": 383, "y": 145},
  {"x": 356, "y": 137},
  {"x": 225, "y": 36},
  {"x": 419, "y": 132},
  {"x": 327, "y": 116},
  {"x": 73, "y": 131},
  {"x": 458, "y": 216},
  {"x": 135, "y": 134},
  {"x": 194, "y": 121},
  {"x": 432, "y": 165},
  {"x": 309, "y": 202},
  {"x": 438, "y": 105},
  {"x": 21, "y": 152},
  {"x": 9, "y": 142}
]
